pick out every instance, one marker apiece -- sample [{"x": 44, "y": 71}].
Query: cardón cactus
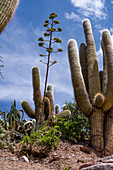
[
  {"x": 38, "y": 101},
  {"x": 41, "y": 114},
  {"x": 94, "y": 99},
  {"x": 7, "y": 9}
]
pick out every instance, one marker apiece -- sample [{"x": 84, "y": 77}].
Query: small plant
[
  {"x": 65, "y": 168},
  {"x": 4, "y": 137},
  {"x": 28, "y": 141},
  {"x": 11, "y": 117},
  {"x": 45, "y": 137},
  {"x": 5, "y": 140}
]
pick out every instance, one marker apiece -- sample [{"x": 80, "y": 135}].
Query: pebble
[{"x": 24, "y": 159}]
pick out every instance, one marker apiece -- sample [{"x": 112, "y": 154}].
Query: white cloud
[
  {"x": 112, "y": 2},
  {"x": 88, "y": 8},
  {"x": 111, "y": 30},
  {"x": 73, "y": 16}
]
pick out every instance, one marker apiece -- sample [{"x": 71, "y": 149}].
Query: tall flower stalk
[{"x": 50, "y": 25}]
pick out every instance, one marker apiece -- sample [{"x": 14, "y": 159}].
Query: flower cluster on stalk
[{"x": 49, "y": 37}]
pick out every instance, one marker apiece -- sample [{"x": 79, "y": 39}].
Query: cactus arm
[
  {"x": 27, "y": 108},
  {"x": 47, "y": 108},
  {"x": 64, "y": 114},
  {"x": 93, "y": 73},
  {"x": 57, "y": 108},
  {"x": 36, "y": 86},
  {"x": 99, "y": 100},
  {"x": 104, "y": 77},
  {"x": 7, "y": 9},
  {"x": 107, "y": 44},
  {"x": 37, "y": 94},
  {"x": 77, "y": 79},
  {"x": 49, "y": 95},
  {"x": 50, "y": 88},
  {"x": 83, "y": 62}
]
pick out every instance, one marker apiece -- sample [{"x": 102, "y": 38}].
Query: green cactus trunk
[
  {"x": 96, "y": 121},
  {"x": 83, "y": 99},
  {"x": 96, "y": 106}
]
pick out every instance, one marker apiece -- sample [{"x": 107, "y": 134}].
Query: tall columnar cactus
[
  {"x": 41, "y": 114},
  {"x": 7, "y": 9},
  {"x": 38, "y": 100},
  {"x": 94, "y": 99}
]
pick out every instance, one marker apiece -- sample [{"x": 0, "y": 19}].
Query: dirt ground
[{"x": 68, "y": 155}]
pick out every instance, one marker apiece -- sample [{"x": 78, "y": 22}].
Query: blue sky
[{"x": 20, "y": 49}]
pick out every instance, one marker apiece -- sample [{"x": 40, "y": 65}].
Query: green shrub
[
  {"x": 50, "y": 138},
  {"x": 45, "y": 137},
  {"x": 76, "y": 128}
]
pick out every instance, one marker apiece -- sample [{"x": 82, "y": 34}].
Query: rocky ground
[{"x": 74, "y": 157}]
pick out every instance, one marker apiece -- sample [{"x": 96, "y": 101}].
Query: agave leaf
[
  {"x": 17, "y": 133},
  {"x": 4, "y": 108},
  {"x": 28, "y": 122}
]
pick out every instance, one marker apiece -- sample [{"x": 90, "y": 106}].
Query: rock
[
  {"x": 85, "y": 149},
  {"x": 109, "y": 161},
  {"x": 105, "y": 158},
  {"x": 103, "y": 166},
  {"x": 24, "y": 159},
  {"x": 83, "y": 160},
  {"x": 13, "y": 159},
  {"x": 86, "y": 165}
]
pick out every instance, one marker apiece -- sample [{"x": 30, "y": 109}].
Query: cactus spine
[
  {"x": 95, "y": 105},
  {"x": 7, "y": 9}
]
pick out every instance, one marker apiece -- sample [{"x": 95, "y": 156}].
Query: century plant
[
  {"x": 94, "y": 93},
  {"x": 12, "y": 117},
  {"x": 50, "y": 40}
]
